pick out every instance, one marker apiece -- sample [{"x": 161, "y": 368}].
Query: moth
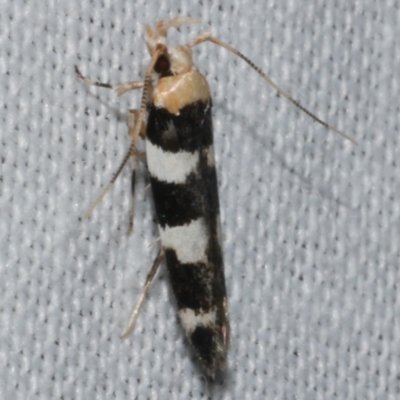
[{"x": 175, "y": 120}]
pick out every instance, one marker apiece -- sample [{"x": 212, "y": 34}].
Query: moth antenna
[
  {"x": 135, "y": 134},
  {"x": 206, "y": 36}
]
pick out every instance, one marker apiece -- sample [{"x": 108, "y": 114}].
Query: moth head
[{"x": 172, "y": 60}]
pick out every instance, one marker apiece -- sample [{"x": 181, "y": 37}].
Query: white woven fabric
[{"x": 310, "y": 221}]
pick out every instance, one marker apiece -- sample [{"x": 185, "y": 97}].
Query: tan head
[{"x": 172, "y": 60}]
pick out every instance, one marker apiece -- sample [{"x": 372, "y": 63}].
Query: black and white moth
[{"x": 175, "y": 120}]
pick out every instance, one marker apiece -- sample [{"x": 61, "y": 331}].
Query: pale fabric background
[{"x": 310, "y": 221}]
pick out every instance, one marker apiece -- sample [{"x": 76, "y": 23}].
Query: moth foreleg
[
  {"x": 120, "y": 88},
  {"x": 132, "y": 118}
]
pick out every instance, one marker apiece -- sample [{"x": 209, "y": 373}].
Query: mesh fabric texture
[{"x": 310, "y": 221}]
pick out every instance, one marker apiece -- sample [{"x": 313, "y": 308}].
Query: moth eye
[{"x": 163, "y": 64}]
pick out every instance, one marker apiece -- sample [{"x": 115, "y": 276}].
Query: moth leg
[
  {"x": 132, "y": 118},
  {"x": 131, "y": 204},
  {"x": 143, "y": 292},
  {"x": 138, "y": 125},
  {"x": 120, "y": 88}
]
